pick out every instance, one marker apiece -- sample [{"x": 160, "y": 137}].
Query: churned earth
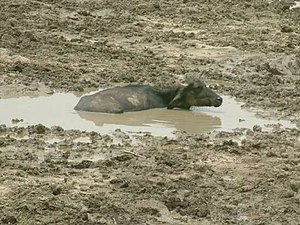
[{"x": 243, "y": 48}]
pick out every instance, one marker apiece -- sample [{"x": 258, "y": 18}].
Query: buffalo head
[{"x": 196, "y": 93}]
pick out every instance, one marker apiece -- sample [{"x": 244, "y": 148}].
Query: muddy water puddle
[
  {"x": 57, "y": 110},
  {"x": 296, "y": 5}
]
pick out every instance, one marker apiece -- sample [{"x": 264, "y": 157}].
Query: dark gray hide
[{"x": 141, "y": 97}]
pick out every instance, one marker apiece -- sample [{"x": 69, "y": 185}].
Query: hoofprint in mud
[{"x": 248, "y": 49}]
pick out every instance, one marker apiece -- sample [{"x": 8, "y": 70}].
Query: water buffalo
[{"x": 141, "y": 97}]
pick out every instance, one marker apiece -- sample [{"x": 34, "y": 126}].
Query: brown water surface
[{"x": 57, "y": 109}]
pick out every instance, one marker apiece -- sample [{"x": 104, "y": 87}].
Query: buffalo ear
[
  {"x": 174, "y": 103},
  {"x": 177, "y": 100}
]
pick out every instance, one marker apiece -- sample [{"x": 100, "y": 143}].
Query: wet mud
[{"x": 245, "y": 49}]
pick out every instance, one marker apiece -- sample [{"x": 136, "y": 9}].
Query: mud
[{"x": 245, "y": 49}]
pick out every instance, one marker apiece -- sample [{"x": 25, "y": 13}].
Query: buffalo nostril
[{"x": 219, "y": 99}]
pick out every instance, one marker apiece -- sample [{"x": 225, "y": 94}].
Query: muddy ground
[{"x": 247, "y": 49}]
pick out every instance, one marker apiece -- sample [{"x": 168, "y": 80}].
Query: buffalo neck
[{"x": 168, "y": 95}]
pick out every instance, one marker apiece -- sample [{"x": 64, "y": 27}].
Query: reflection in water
[
  {"x": 58, "y": 110},
  {"x": 191, "y": 122}
]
